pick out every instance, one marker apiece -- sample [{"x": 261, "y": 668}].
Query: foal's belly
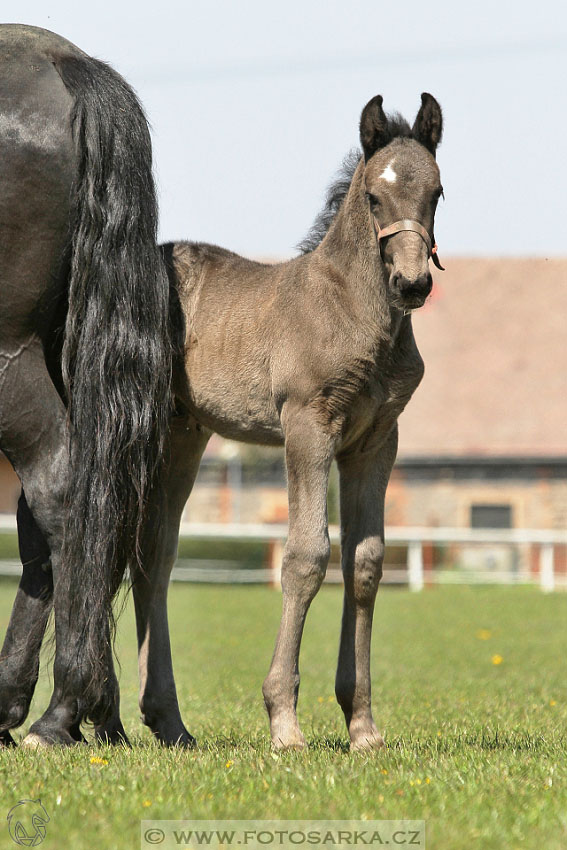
[{"x": 233, "y": 399}]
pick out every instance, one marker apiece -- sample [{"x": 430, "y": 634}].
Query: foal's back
[{"x": 233, "y": 310}]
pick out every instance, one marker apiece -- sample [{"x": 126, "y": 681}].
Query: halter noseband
[{"x": 408, "y": 224}]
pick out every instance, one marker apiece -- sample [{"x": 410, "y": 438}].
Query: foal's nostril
[{"x": 398, "y": 280}]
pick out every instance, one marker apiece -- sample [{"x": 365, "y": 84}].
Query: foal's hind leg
[
  {"x": 19, "y": 658},
  {"x": 363, "y": 480},
  {"x": 309, "y": 452},
  {"x": 158, "y": 696}
]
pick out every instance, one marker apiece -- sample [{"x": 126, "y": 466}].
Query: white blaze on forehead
[{"x": 389, "y": 174}]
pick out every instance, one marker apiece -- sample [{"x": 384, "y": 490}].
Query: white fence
[{"x": 417, "y": 572}]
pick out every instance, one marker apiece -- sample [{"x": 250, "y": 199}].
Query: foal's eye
[{"x": 372, "y": 199}]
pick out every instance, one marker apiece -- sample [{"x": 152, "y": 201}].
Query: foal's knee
[
  {"x": 366, "y": 571},
  {"x": 305, "y": 564}
]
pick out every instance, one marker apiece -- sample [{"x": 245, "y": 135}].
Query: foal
[{"x": 317, "y": 354}]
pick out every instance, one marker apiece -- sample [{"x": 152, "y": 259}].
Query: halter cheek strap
[{"x": 416, "y": 227}]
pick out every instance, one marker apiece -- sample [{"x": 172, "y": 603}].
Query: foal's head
[{"x": 402, "y": 187}]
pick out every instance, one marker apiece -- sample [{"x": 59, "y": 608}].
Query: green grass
[
  {"x": 477, "y": 750},
  {"x": 9, "y": 545}
]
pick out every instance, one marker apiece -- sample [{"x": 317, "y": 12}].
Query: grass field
[{"x": 475, "y": 748}]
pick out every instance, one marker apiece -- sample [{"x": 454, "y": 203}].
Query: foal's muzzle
[
  {"x": 411, "y": 293},
  {"x": 405, "y": 224}
]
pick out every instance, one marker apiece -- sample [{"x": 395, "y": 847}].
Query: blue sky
[{"x": 253, "y": 105}]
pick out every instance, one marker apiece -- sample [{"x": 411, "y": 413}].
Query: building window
[{"x": 491, "y": 516}]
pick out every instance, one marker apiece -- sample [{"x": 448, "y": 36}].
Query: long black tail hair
[{"x": 116, "y": 359}]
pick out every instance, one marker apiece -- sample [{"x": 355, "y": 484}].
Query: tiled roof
[{"x": 493, "y": 336}]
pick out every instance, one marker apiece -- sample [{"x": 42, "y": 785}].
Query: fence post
[
  {"x": 275, "y": 563},
  {"x": 546, "y": 568},
  {"x": 415, "y": 565}
]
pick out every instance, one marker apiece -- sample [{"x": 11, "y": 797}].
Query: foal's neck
[{"x": 350, "y": 246}]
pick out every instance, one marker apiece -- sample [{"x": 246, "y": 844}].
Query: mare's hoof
[
  {"x": 53, "y": 737},
  {"x": 183, "y": 740},
  {"x": 115, "y": 735}
]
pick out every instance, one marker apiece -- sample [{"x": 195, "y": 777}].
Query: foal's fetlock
[
  {"x": 285, "y": 733},
  {"x": 284, "y": 728},
  {"x": 362, "y": 730},
  {"x": 364, "y": 735}
]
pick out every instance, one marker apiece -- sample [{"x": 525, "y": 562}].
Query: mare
[{"x": 85, "y": 366}]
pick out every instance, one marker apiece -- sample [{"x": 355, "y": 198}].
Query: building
[{"x": 483, "y": 442}]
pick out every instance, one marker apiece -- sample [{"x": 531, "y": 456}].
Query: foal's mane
[{"x": 397, "y": 127}]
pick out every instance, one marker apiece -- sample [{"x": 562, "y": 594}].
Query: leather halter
[{"x": 408, "y": 224}]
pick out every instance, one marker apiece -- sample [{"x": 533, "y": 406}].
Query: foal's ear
[
  {"x": 428, "y": 126},
  {"x": 373, "y": 127}
]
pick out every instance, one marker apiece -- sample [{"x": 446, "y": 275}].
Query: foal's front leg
[
  {"x": 363, "y": 479},
  {"x": 309, "y": 452}
]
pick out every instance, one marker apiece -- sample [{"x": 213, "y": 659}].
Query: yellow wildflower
[
  {"x": 98, "y": 760},
  {"x": 497, "y": 659}
]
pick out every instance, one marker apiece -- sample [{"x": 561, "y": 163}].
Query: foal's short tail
[{"x": 116, "y": 359}]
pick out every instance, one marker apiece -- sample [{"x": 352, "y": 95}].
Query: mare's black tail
[{"x": 116, "y": 358}]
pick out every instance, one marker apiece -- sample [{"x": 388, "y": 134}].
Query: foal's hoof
[
  {"x": 6, "y": 740},
  {"x": 367, "y": 741},
  {"x": 285, "y": 745},
  {"x": 55, "y": 737},
  {"x": 291, "y": 739}
]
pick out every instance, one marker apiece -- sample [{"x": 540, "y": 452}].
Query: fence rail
[{"x": 416, "y": 573}]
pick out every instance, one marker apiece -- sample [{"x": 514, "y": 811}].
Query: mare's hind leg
[
  {"x": 158, "y": 695},
  {"x": 363, "y": 479},
  {"x": 33, "y": 436},
  {"x": 309, "y": 452},
  {"x": 112, "y": 731},
  {"x": 19, "y": 658}
]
